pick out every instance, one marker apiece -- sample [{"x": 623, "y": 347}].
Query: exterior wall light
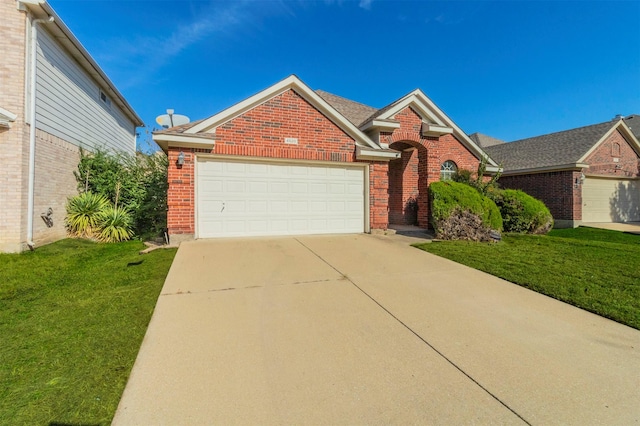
[{"x": 180, "y": 159}]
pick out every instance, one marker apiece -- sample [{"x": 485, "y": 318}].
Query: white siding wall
[{"x": 68, "y": 103}]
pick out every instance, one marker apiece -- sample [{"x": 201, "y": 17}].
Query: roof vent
[{"x": 618, "y": 117}]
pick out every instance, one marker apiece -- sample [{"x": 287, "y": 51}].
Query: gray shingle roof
[
  {"x": 633, "y": 121},
  {"x": 554, "y": 149},
  {"x": 484, "y": 141},
  {"x": 355, "y": 112}
]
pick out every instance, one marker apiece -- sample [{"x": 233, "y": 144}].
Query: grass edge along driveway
[
  {"x": 593, "y": 269},
  {"x": 72, "y": 317}
]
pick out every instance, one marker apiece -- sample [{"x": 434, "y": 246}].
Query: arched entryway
[{"x": 408, "y": 198}]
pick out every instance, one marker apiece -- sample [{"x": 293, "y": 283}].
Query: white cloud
[
  {"x": 365, "y": 4},
  {"x": 139, "y": 58}
]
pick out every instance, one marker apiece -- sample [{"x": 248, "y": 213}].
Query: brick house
[
  {"x": 290, "y": 160},
  {"x": 588, "y": 174},
  {"x": 74, "y": 105}
]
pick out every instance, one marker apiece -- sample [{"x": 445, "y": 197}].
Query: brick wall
[
  {"x": 614, "y": 157},
  {"x": 56, "y": 160},
  {"x": 410, "y": 176},
  {"x": 14, "y": 154},
  {"x": 261, "y": 132},
  {"x": 558, "y": 190},
  {"x": 181, "y": 193}
]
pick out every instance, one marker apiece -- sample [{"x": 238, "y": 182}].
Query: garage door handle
[{"x": 222, "y": 208}]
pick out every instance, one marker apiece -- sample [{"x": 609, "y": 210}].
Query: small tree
[{"x": 478, "y": 182}]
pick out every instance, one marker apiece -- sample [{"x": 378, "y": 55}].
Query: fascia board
[
  {"x": 382, "y": 125},
  {"x": 294, "y": 83},
  {"x": 64, "y": 36},
  {"x": 243, "y": 106},
  {"x": 164, "y": 141},
  {"x": 366, "y": 153},
  {"x": 410, "y": 100},
  {"x": 557, "y": 168}
]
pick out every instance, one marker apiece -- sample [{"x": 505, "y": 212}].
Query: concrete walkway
[
  {"x": 361, "y": 329},
  {"x": 628, "y": 227}
]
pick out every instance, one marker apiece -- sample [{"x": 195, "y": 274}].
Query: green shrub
[
  {"x": 453, "y": 198},
  {"x": 115, "y": 224},
  {"x": 84, "y": 212},
  {"x": 522, "y": 213},
  {"x": 137, "y": 182}
]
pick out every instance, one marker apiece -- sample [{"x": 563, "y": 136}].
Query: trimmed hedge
[
  {"x": 452, "y": 198},
  {"x": 522, "y": 213}
]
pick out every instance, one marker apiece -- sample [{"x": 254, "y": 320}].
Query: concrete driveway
[{"x": 362, "y": 329}]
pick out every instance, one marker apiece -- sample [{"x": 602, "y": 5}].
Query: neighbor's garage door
[
  {"x": 247, "y": 198},
  {"x": 610, "y": 200}
]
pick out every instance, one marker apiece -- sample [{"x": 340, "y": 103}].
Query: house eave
[
  {"x": 369, "y": 154},
  {"x": 556, "y": 168}
]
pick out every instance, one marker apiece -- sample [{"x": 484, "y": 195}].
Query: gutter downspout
[{"x": 32, "y": 128}]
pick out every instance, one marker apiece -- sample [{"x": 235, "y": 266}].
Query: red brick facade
[
  {"x": 561, "y": 191},
  {"x": 261, "y": 132},
  {"x": 603, "y": 161},
  {"x": 419, "y": 166}
]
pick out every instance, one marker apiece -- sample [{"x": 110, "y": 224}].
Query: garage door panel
[
  {"x": 299, "y": 187},
  {"x": 238, "y": 198},
  {"x": 610, "y": 200}
]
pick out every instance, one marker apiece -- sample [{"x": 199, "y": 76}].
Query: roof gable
[
  {"x": 429, "y": 112},
  {"x": 208, "y": 126}
]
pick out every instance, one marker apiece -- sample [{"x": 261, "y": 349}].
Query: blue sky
[{"x": 509, "y": 69}]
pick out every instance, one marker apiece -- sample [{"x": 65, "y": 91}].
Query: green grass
[
  {"x": 593, "y": 269},
  {"x": 72, "y": 318}
]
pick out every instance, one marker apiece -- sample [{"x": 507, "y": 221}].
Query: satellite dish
[{"x": 170, "y": 119}]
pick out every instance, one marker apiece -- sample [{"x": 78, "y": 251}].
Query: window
[
  {"x": 105, "y": 99},
  {"x": 447, "y": 170}
]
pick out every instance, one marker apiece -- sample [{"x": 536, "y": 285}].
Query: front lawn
[
  {"x": 72, "y": 318},
  {"x": 593, "y": 269}
]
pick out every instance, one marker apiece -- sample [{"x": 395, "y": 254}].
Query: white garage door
[
  {"x": 246, "y": 198},
  {"x": 610, "y": 200}
]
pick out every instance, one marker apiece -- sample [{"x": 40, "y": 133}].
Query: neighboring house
[
  {"x": 44, "y": 121},
  {"x": 290, "y": 160},
  {"x": 589, "y": 174}
]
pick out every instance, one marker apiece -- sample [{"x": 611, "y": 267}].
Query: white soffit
[{"x": 290, "y": 83}]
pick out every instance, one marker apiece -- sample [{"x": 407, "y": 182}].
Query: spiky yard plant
[
  {"x": 115, "y": 224},
  {"x": 84, "y": 212}
]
